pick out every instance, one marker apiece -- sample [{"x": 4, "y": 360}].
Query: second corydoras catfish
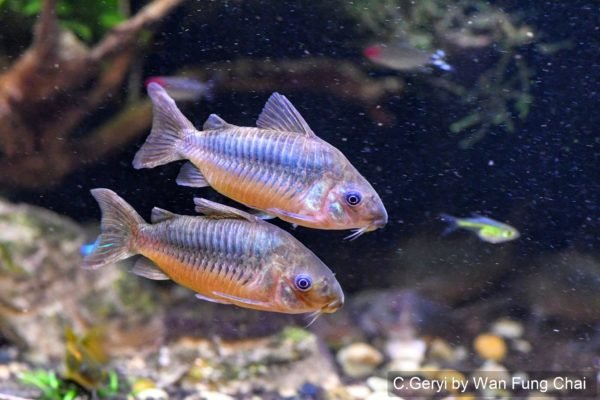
[
  {"x": 227, "y": 256},
  {"x": 281, "y": 167}
]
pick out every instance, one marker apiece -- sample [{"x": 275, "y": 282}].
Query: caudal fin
[
  {"x": 439, "y": 60},
  {"x": 452, "y": 223},
  {"x": 169, "y": 127},
  {"x": 117, "y": 228}
]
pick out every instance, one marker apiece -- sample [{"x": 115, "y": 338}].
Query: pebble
[
  {"x": 406, "y": 366},
  {"x": 152, "y": 394},
  {"x": 359, "y": 359},
  {"x": 493, "y": 370},
  {"x": 215, "y": 396},
  {"x": 4, "y": 373},
  {"x": 377, "y": 384},
  {"x": 358, "y": 392},
  {"x": 490, "y": 347},
  {"x": 441, "y": 350},
  {"x": 141, "y": 385},
  {"x": 381, "y": 396},
  {"x": 400, "y": 349},
  {"x": 522, "y": 345},
  {"x": 507, "y": 328}
]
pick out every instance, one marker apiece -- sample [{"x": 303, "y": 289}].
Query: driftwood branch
[
  {"x": 51, "y": 88},
  {"x": 58, "y": 82},
  {"x": 342, "y": 79}
]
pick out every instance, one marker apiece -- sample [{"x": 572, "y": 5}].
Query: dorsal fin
[
  {"x": 280, "y": 115},
  {"x": 214, "y": 122},
  {"x": 159, "y": 215},
  {"x": 212, "y": 209}
]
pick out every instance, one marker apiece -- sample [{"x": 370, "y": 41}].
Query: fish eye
[
  {"x": 507, "y": 233},
  {"x": 353, "y": 198},
  {"x": 303, "y": 282}
]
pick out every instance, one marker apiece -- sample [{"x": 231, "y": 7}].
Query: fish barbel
[
  {"x": 226, "y": 256},
  {"x": 281, "y": 167}
]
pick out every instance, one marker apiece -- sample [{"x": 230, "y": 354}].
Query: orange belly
[{"x": 205, "y": 282}]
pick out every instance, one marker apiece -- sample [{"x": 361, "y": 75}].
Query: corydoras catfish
[
  {"x": 226, "y": 256},
  {"x": 281, "y": 167}
]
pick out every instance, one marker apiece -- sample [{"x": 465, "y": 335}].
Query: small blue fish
[
  {"x": 487, "y": 229},
  {"x": 181, "y": 88}
]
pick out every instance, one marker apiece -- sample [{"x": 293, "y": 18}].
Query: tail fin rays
[
  {"x": 452, "y": 223},
  {"x": 119, "y": 224},
  {"x": 169, "y": 127}
]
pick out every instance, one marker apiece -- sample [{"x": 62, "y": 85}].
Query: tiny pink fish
[
  {"x": 182, "y": 88},
  {"x": 404, "y": 57}
]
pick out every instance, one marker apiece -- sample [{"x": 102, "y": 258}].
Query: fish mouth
[
  {"x": 378, "y": 223},
  {"x": 333, "y": 306}
]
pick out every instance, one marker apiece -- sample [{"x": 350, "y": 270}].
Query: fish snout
[
  {"x": 337, "y": 301},
  {"x": 334, "y": 305},
  {"x": 379, "y": 218}
]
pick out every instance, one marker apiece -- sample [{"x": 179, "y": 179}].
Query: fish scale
[
  {"x": 218, "y": 246},
  {"x": 266, "y": 159}
]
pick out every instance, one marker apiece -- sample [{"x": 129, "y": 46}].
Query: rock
[
  {"x": 381, "y": 396},
  {"x": 490, "y": 347},
  {"x": 409, "y": 351},
  {"x": 215, "y": 396},
  {"x": 522, "y": 346},
  {"x": 440, "y": 350},
  {"x": 359, "y": 391},
  {"x": 359, "y": 359},
  {"x": 377, "y": 384},
  {"x": 283, "y": 363},
  {"x": 507, "y": 328},
  {"x": 43, "y": 290}
]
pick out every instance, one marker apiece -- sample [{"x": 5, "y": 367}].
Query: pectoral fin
[
  {"x": 241, "y": 300},
  {"x": 216, "y": 210},
  {"x": 289, "y": 214}
]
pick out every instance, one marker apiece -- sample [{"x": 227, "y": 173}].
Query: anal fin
[
  {"x": 190, "y": 175},
  {"x": 146, "y": 268}
]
